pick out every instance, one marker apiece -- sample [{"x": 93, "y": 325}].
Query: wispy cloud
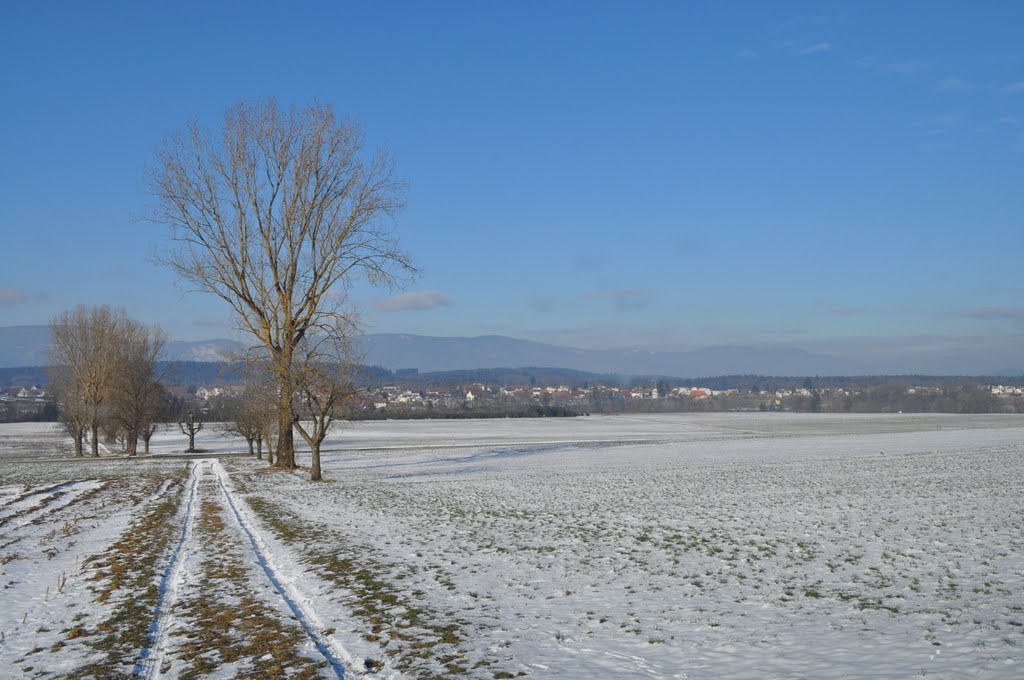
[
  {"x": 745, "y": 54},
  {"x": 1014, "y": 314},
  {"x": 623, "y": 298},
  {"x": 414, "y": 301},
  {"x": 588, "y": 263},
  {"x": 958, "y": 84},
  {"x": 619, "y": 293},
  {"x": 542, "y": 304},
  {"x": 804, "y": 21},
  {"x": 688, "y": 246},
  {"x": 953, "y": 84},
  {"x": 892, "y": 68},
  {"x": 816, "y": 48},
  {"x": 839, "y": 308},
  {"x": 12, "y": 296},
  {"x": 940, "y": 123}
]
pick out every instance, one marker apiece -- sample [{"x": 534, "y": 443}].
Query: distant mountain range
[
  {"x": 427, "y": 353},
  {"x": 26, "y": 346}
]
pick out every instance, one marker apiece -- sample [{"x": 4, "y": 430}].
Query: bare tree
[
  {"x": 275, "y": 215},
  {"x": 68, "y": 395},
  {"x": 190, "y": 423},
  {"x": 160, "y": 405},
  {"x": 136, "y": 391},
  {"x": 253, "y": 412},
  {"x": 84, "y": 354},
  {"x": 242, "y": 424},
  {"x": 325, "y": 378}
]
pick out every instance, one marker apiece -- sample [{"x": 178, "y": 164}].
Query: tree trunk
[
  {"x": 248, "y": 440},
  {"x": 95, "y": 444},
  {"x": 259, "y": 448},
  {"x": 314, "y": 468},
  {"x": 145, "y": 441},
  {"x": 285, "y": 453},
  {"x": 79, "y": 436},
  {"x": 191, "y": 441},
  {"x": 285, "y": 449}
]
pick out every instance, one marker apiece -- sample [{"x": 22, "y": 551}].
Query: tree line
[{"x": 103, "y": 373}]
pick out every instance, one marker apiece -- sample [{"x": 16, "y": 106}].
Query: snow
[{"x": 661, "y": 546}]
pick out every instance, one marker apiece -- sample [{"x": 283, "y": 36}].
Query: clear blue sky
[{"x": 842, "y": 177}]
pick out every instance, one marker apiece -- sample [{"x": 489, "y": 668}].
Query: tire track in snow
[
  {"x": 18, "y": 499},
  {"x": 150, "y": 658},
  {"x": 39, "y": 503},
  {"x": 340, "y": 660}
]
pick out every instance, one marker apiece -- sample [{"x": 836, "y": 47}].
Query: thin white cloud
[
  {"x": 618, "y": 293},
  {"x": 542, "y": 304},
  {"x": 414, "y": 301},
  {"x": 958, "y": 84},
  {"x": 953, "y": 84},
  {"x": 940, "y": 123},
  {"x": 1014, "y": 314},
  {"x": 745, "y": 54},
  {"x": 840, "y": 309},
  {"x": 624, "y": 299},
  {"x": 817, "y": 48},
  {"x": 12, "y": 296},
  {"x": 891, "y": 68}
]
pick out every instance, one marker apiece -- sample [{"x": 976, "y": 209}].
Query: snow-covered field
[{"x": 668, "y": 546}]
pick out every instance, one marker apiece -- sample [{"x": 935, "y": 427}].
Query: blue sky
[{"x": 841, "y": 177}]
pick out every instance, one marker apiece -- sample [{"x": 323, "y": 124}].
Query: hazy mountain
[
  {"x": 201, "y": 350},
  {"x": 23, "y": 345},
  {"x": 427, "y": 353},
  {"x": 26, "y": 346}
]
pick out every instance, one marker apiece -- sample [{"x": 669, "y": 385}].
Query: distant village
[{"x": 480, "y": 399}]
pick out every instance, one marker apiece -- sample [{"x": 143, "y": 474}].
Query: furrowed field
[{"x": 689, "y": 546}]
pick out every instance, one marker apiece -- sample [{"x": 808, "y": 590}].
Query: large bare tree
[{"x": 275, "y": 214}]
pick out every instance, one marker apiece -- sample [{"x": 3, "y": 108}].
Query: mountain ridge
[{"x": 24, "y": 346}]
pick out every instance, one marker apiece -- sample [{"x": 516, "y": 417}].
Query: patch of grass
[
  {"x": 413, "y": 636},
  {"x": 124, "y": 580}
]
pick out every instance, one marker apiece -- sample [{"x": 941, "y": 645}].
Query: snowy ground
[{"x": 689, "y": 546}]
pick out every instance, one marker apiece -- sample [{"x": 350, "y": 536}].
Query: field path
[
  {"x": 151, "y": 658},
  {"x": 338, "y": 659},
  {"x": 186, "y": 579}
]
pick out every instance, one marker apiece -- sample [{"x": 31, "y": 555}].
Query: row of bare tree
[{"x": 103, "y": 372}]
